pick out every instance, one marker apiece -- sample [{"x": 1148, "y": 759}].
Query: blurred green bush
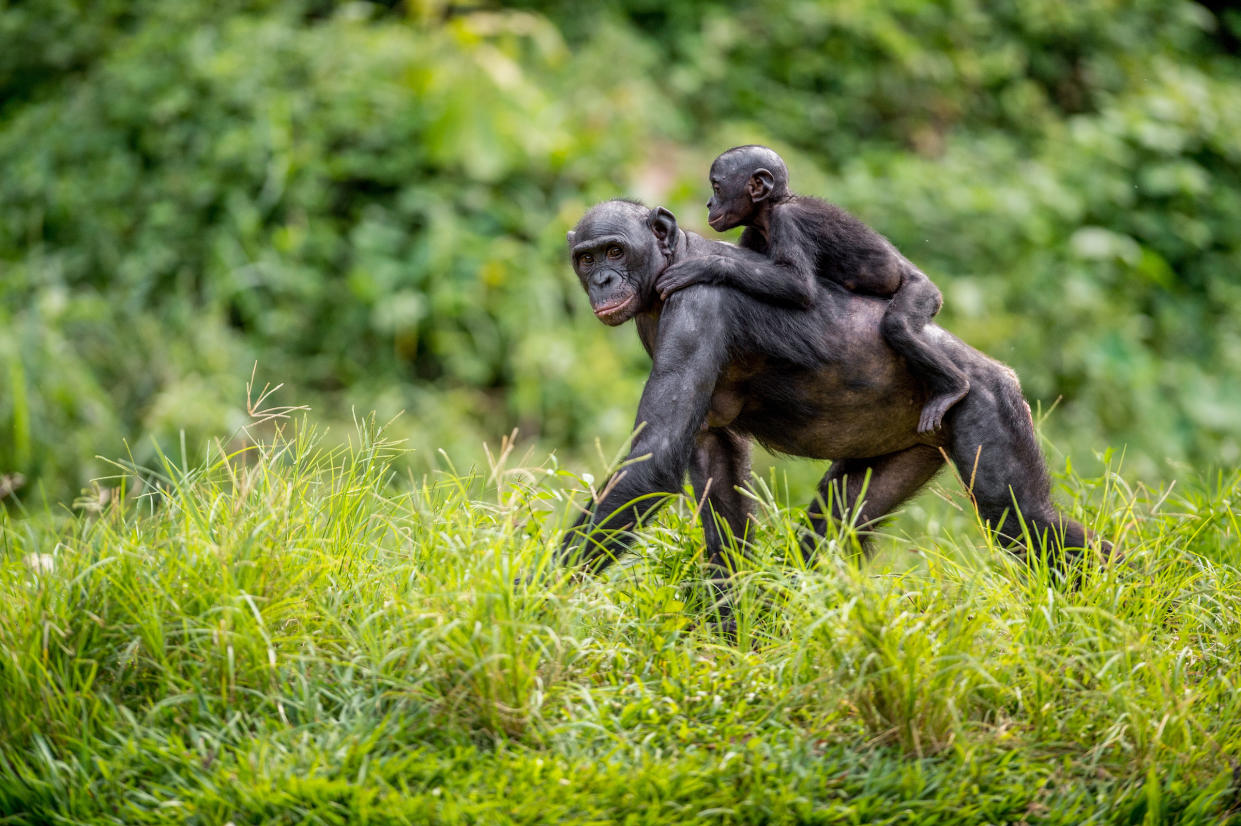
[{"x": 371, "y": 200}]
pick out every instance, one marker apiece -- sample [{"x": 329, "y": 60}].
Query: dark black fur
[
  {"x": 819, "y": 382},
  {"x": 809, "y": 241}
]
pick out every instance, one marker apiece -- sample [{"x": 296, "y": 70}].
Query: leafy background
[{"x": 370, "y": 201}]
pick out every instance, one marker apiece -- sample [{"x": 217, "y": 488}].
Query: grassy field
[{"x": 295, "y": 634}]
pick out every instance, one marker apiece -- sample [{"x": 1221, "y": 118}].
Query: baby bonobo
[{"x": 804, "y": 239}]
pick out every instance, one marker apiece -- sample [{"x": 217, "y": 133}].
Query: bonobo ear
[
  {"x": 569, "y": 236},
  {"x": 760, "y": 185},
  {"x": 664, "y": 225}
]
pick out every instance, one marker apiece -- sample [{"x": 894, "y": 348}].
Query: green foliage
[
  {"x": 370, "y": 202},
  {"x": 280, "y": 635},
  {"x": 323, "y": 197},
  {"x": 839, "y": 79},
  {"x": 1066, "y": 172}
]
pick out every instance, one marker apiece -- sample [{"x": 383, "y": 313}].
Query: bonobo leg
[
  {"x": 628, "y": 498},
  {"x": 721, "y": 463},
  {"x": 993, "y": 446},
  {"x": 893, "y": 479},
  {"x": 904, "y": 327}
]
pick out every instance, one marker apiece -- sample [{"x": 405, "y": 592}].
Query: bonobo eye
[
  {"x": 615, "y": 251},
  {"x": 585, "y": 258}
]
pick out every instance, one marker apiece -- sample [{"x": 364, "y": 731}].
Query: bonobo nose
[{"x": 603, "y": 278}]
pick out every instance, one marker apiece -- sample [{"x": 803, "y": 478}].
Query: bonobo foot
[
  {"x": 933, "y": 411},
  {"x": 812, "y": 542},
  {"x": 1098, "y": 555},
  {"x": 726, "y": 627},
  {"x": 721, "y": 622}
]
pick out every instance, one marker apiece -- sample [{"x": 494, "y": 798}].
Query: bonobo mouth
[
  {"x": 614, "y": 313},
  {"x": 717, "y": 222}
]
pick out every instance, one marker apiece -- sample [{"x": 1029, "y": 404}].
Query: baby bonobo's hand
[{"x": 680, "y": 276}]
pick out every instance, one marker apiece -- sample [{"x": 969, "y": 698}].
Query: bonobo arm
[
  {"x": 785, "y": 276},
  {"x": 688, "y": 355}
]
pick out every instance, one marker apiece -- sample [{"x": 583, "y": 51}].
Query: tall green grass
[{"x": 292, "y": 633}]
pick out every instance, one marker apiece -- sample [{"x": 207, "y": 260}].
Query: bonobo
[
  {"x": 728, "y": 368},
  {"x": 804, "y": 238}
]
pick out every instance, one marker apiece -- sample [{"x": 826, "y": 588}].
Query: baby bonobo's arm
[{"x": 786, "y": 276}]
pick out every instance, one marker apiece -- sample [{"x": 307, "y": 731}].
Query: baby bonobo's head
[{"x": 745, "y": 180}]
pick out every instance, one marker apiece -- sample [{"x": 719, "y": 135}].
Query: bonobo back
[{"x": 844, "y": 250}]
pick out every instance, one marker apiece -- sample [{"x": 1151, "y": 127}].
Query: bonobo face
[
  {"x": 730, "y": 205},
  {"x": 618, "y": 251}
]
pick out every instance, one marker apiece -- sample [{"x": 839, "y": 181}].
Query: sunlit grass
[{"x": 293, "y": 633}]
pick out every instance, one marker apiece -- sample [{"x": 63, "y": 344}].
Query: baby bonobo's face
[{"x": 730, "y": 205}]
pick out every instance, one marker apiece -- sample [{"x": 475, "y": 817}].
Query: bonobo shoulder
[
  {"x": 695, "y": 323},
  {"x": 696, "y": 315},
  {"x": 697, "y": 301}
]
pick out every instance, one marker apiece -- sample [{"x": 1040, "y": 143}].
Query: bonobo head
[
  {"x": 619, "y": 248},
  {"x": 745, "y": 181}
]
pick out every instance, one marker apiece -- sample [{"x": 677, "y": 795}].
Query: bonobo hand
[{"x": 679, "y": 276}]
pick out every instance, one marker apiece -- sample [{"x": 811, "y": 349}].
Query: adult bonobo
[{"x": 818, "y": 382}]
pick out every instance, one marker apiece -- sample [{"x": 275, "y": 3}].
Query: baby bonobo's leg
[{"x": 904, "y": 326}]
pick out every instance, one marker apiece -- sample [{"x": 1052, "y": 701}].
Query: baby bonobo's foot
[{"x": 933, "y": 411}]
